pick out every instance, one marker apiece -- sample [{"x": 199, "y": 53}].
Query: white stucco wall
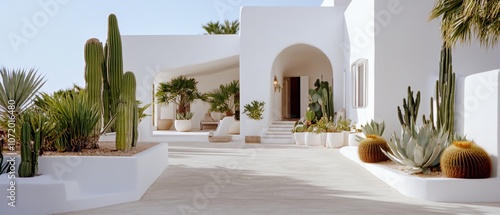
[
  {"x": 407, "y": 51},
  {"x": 359, "y": 42},
  {"x": 264, "y": 34},
  {"x": 148, "y": 56}
]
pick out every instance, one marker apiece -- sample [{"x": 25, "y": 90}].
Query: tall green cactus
[
  {"x": 124, "y": 121},
  {"x": 106, "y": 91},
  {"x": 135, "y": 124},
  {"x": 445, "y": 93},
  {"x": 26, "y": 165},
  {"x": 114, "y": 62},
  {"x": 410, "y": 107},
  {"x": 94, "y": 60},
  {"x": 321, "y": 100}
]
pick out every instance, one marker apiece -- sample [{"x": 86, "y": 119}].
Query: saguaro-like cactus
[
  {"x": 26, "y": 165},
  {"x": 106, "y": 91},
  {"x": 114, "y": 62},
  {"x": 124, "y": 121},
  {"x": 94, "y": 60},
  {"x": 327, "y": 100}
]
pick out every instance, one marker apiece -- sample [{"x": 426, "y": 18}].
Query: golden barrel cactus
[
  {"x": 369, "y": 149},
  {"x": 465, "y": 159}
]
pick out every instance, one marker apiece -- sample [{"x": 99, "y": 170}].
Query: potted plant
[
  {"x": 298, "y": 132},
  {"x": 334, "y": 136},
  {"x": 254, "y": 111},
  {"x": 344, "y": 125},
  {"x": 312, "y": 137},
  {"x": 225, "y": 99},
  {"x": 353, "y": 139},
  {"x": 181, "y": 91}
]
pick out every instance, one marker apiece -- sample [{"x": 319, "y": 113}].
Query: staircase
[{"x": 278, "y": 132}]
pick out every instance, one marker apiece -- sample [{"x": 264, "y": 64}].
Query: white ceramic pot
[
  {"x": 313, "y": 139},
  {"x": 352, "y": 139},
  {"x": 183, "y": 125},
  {"x": 216, "y": 116},
  {"x": 335, "y": 139},
  {"x": 323, "y": 139},
  {"x": 300, "y": 138}
]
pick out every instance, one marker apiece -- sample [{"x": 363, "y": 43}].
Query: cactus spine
[
  {"x": 94, "y": 60},
  {"x": 26, "y": 165},
  {"x": 124, "y": 121},
  {"x": 114, "y": 63},
  {"x": 410, "y": 107}
]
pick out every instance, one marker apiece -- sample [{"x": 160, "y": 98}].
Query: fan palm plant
[
  {"x": 225, "y": 99},
  {"x": 461, "y": 20},
  {"x": 181, "y": 91}
]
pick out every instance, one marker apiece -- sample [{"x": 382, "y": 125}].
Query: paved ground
[{"x": 231, "y": 178}]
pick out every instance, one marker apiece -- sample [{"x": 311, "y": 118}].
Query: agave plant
[
  {"x": 79, "y": 117},
  {"x": 17, "y": 89},
  {"x": 373, "y": 127},
  {"x": 418, "y": 149}
]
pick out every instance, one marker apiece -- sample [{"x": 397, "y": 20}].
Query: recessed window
[{"x": 359, "y": 71}]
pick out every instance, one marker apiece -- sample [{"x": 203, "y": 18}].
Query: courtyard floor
[{"x": 236, "y": 178}]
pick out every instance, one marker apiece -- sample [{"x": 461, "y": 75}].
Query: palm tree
[
  {"x": 463, "y": 19},
  {"x": 218, "y": 28},
  {"x": 225, "y": 99},
  {"x": 231, "y": 27},
  {"x": 212, "y": 28},
  {"x": 180, "y": 91}
]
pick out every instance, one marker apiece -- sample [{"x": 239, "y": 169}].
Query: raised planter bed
[
  {"x": 73, "y": 183},
  {"x": 431, "y": 189}
]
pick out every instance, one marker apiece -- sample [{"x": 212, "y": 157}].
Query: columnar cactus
[
  {"x": 124, "y": 121},
  {"x": 465, "y": 159},
  {"x": 369, "y": 149},
  {"x": 135, "y": 124},
  {"x": 410, "y": 107},
  {"x": 26, "y": 165},
  {"x": 327, "y": 100},
  {"x": 445, "y": 93},
  {"x": 94, "y": 60},
  {"x": 106, "y": 91},
  {"x": 114, "y": 62}
]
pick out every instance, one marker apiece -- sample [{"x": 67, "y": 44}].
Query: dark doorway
[{"x": 294, "y": 97}]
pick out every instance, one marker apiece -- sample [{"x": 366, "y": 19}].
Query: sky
[{"x": 49, "y": 35}]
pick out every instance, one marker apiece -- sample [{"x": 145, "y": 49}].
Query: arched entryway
[{"x": 296, "y": 68}]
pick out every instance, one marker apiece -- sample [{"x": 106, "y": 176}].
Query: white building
[{"x": 400, "y": 45}]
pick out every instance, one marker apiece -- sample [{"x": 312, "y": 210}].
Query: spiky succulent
[
  {"x": 374, "y": 128},
  {"x": 418, "y": 149}
]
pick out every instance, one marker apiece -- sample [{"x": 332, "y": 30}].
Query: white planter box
[
  {"x": 334, "y": 139},
  {"x": 313, "y": 139},
  {"x": 432, "y": 189},
  {"x": 300, "y": 138},
  {"x": 73, "y": 183}
]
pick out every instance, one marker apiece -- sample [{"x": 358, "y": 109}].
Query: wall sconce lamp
[{"x": 276, "y": 84}]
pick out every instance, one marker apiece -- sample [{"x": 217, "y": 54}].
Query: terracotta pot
[{"x": 165, "y": 124}]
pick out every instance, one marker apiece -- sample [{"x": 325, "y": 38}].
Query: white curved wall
[
  {"x": 148, "y": 56},
  {"x": 264, "y": 34}
]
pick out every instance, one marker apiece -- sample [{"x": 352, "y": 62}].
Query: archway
[{"x": 296, "y": 68}]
